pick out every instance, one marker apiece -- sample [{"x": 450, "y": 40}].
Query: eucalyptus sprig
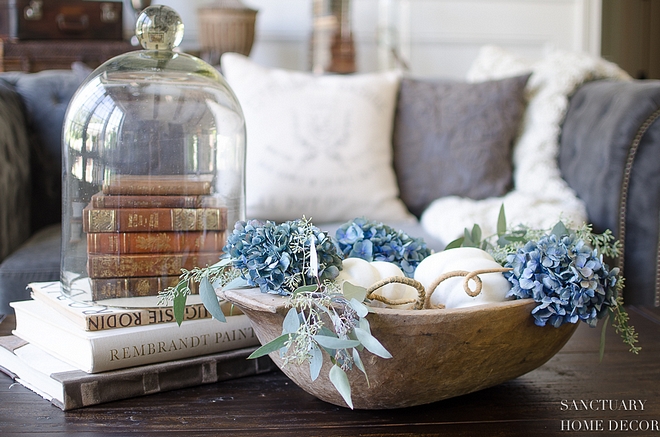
[
  {"x": 621, "y": 327},
  {"x": 323, "y": 318},
  {"x": 297, "y": 260},
  {"x": 220, "y": 274}
]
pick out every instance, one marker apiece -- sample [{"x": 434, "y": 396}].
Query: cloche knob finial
[{"x": 159, "y": 27}]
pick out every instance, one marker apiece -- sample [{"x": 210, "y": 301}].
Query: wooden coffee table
[{"x": 548, "y": 401}]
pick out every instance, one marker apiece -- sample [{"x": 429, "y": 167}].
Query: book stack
[
  {"x": 143, "y": 230},
  {"x": 76, "y": 354}
]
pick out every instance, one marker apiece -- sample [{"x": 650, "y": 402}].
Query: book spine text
[
  {"x": 112, "y": 288},
  {"x": 155, "y": 242},
  {"x": 154, "y": 219},
  {"x": 99, "y": 200}
]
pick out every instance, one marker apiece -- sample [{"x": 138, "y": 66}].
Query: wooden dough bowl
[{"x": 437, "y": 353}]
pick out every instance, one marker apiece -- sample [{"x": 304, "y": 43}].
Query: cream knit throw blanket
[{"x": 540, "y": 196}]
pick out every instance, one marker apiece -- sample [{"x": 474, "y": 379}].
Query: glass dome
[{"x": 153, "y": 171}]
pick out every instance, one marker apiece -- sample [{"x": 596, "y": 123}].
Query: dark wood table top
[{"x": 622, "y": 395}]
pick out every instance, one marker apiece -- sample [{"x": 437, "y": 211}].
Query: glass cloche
[{"x": 154, "y": 169}]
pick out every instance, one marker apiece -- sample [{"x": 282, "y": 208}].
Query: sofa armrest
[
  {"x": 46, "y": 96},
  {"x": 609, "y": 149},
  {"x": 14, "y": 171}
]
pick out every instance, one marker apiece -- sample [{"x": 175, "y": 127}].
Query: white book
[
  {"x": 34, "y": 376},
  {"x": 99, "y": 351},
  {"x": 68, "y": 387},
  {"x": 93, "y": 317}
]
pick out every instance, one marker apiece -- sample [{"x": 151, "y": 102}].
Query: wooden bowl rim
[{"x": 254, "y": 299}]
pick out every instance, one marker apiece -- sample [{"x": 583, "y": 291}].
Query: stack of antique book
[
  {"x": 141, "y": 231},
  {"x": 77, "y": 354}
]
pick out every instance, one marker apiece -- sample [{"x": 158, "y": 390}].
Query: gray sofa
[{"x": 609, "y": 154}]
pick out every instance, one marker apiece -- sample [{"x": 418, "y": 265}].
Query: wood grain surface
[{"x": 271, "y": 405}]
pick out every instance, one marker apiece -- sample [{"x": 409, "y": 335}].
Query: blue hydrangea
[
  {"x": 375, "y": 241},
  {"x": 276, "y": 258},
  {"x": 566, "y": 277}
]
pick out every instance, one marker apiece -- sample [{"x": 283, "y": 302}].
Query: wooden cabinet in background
[
  {"x": 631, "y": 36},
  {"x": 37, "y": 55},
  {"x": 61, "y": 19}
]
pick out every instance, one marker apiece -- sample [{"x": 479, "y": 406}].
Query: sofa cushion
[
  {"x": 37, "y": 260},
  {"x": 318, "y": 146},
  {"x": 455, "y": 138}
]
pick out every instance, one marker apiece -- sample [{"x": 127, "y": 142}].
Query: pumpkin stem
[
  {"x": 419, "y": 302},
  {"x": 473, "y": 275}
]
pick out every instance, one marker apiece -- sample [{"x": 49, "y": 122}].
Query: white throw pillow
[{"x": 318, "y": 146}]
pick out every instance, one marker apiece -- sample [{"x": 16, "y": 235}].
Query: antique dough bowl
[{"x": 437, "y": 353}]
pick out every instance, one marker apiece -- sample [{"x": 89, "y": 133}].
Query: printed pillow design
[{"x": 318, "y": 146}]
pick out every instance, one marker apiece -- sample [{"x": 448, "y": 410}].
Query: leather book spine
[
  {"x": 100, "y": 200},
  {"x": 154, "y": 219},
  {"x": 155, "y": 242},
  {"x": 147, "y": 265},
  {"x": 113, "y": 288},
  {"x": 157, "y": 185}
]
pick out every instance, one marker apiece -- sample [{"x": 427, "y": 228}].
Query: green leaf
[
  {"x": 235, "y": 283},
  {"x": 467, "y": 239},
  {"x": 327, "y": 331},
  {"x": 560, "y": 230},
  {"x": 476, "y": 235},
  {"x": 501, "y": 222},
  {"x": 210, "y": 300},
  {"x": 455, "y": 243},
  {"x": 316, "y": 362},
  {"x": 516, "y": 239},
  {"x": 272, "y": 346},
  {"x": 359, "y": 364},
  {"x": 360, "y": 308},
  {"x": 306, "y": 289},
  {"x": 371, "y": 343},
  {"x": 291, "y": 322},
  {"x": 334, "y": 342},
  {"x": 179, "y": 302},
  {"x": 340, "y": 380},
  {"x": 354, "y": 292},
  {"x": 364, "y": 324}
]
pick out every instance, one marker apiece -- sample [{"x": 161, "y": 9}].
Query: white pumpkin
[
  {"x": 450, "y": 292},
  {"x": 358, "y": 272},
  {"x": 365, "y": 274}
]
